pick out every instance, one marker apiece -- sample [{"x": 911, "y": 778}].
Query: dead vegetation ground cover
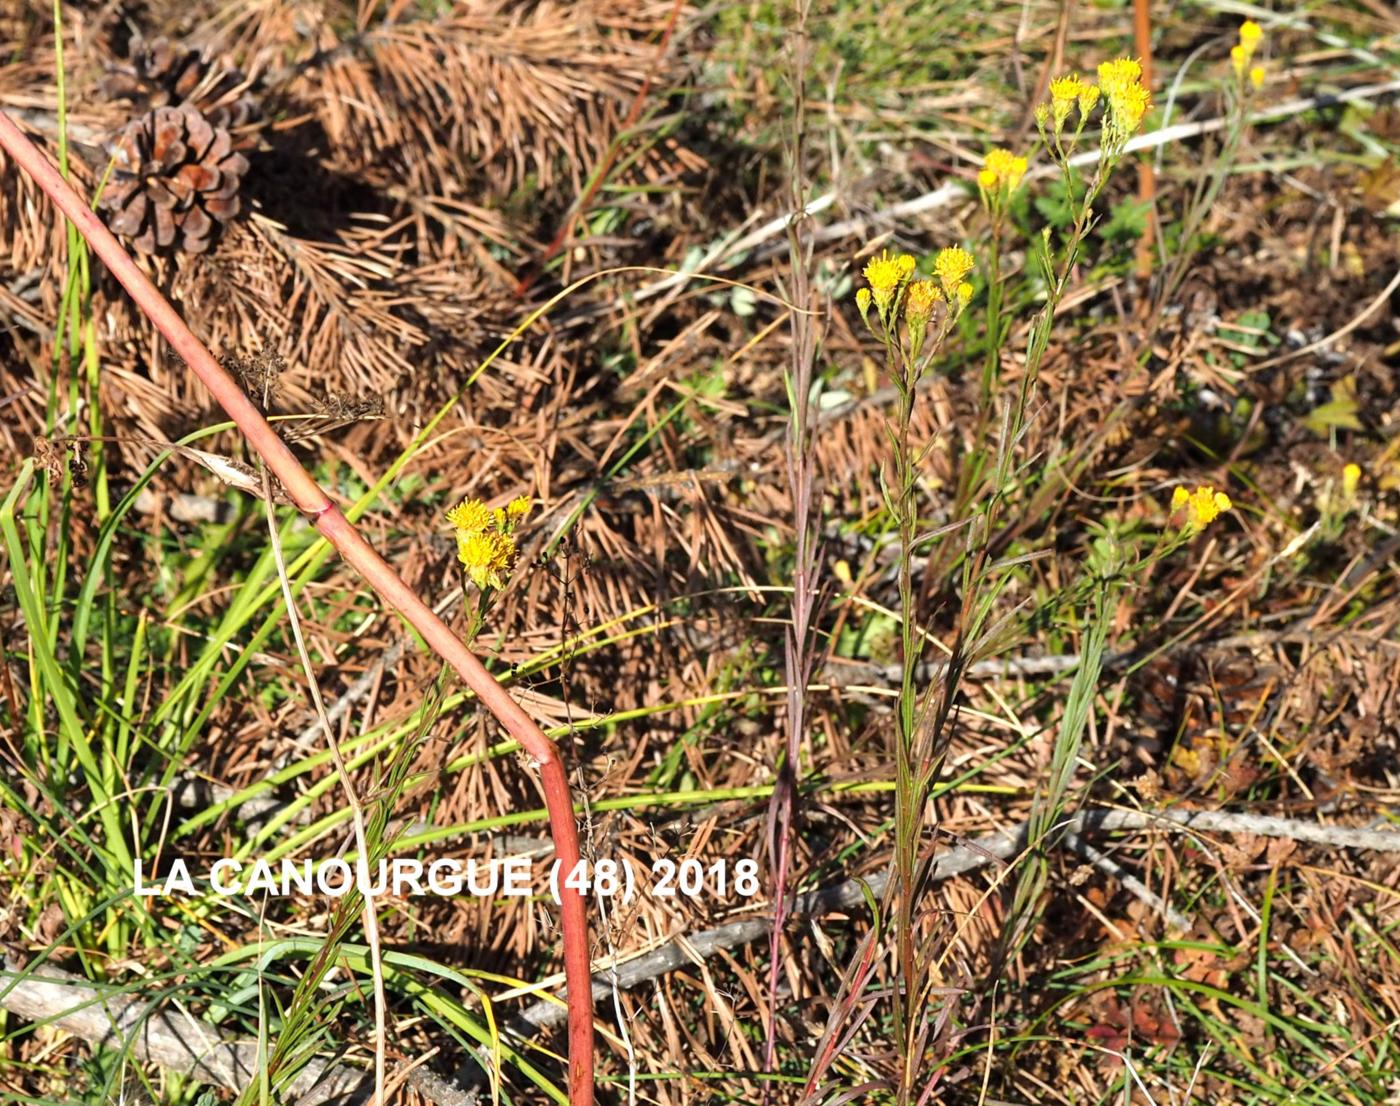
[{"x": 408, "y": 168}]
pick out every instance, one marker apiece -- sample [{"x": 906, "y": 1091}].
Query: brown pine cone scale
[
  {"x": 175, "y": 181},
  {"x": 162, "y": 74}
]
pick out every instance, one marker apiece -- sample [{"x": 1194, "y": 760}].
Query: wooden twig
[
  {"x": 302, "y": 490},
  {"x": 1178, "y": 921},
  {"x": 178, "y": 1042}
]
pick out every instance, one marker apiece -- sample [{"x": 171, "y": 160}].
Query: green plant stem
[
  {"x": 909, "y": 797},
  {"x": 992, "y": 365},
  {"x": 1050, "y": 802}
]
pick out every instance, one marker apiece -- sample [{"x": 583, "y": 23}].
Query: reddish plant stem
[
  {"x": 799, "y": 645},
  {"x": 1147, "y": 181},
  {"x": 303, "y": 491}
]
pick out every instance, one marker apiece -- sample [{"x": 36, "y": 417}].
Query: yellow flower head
[
  {"x": 1065, "y": 92},
  {"x": 965, "y": 293},
  {"x": 919, "y": 303},
  {"x": 986, "y": 179},
  {"x": 1203, "y": 506},
  {"x": 885, "y": 274},
  {"x": 1116, "y": 75},
  {"x": 1256, "y": 77},
  {"x": 1129, "y": 107},
  {"x": 506, "y": 517},
  {"x": 1250, "y": 34},
  {"x": 951, "y": 266},
  {"x": 1088, "y": 97},
  {"x": 471, "y": 516},
  {"x": 1238, "y": 60},
  {"x": 1004, "y": 167},
  {"x": 487, "y": 556},
  {"x": 1128, "y": 99},
  {"x": 863, "y": 304},
  {"x": 1351, "y": 479}
]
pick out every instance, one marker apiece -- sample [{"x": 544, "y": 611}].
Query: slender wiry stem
[
  {"x": 600, "y": 174},
  {"x": 909, "y": 800},
  {"x": 303, "y": 491},
  {"x": 357, "y": 811},
  {"x": 801, "y": 471}
]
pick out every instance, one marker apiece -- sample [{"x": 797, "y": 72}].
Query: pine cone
[
  {"x": 161, "y": 74},
  {"x": 175, "y": 177}
]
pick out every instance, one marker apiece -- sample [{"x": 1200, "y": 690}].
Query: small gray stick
[{"x": 1134, "y": 886}]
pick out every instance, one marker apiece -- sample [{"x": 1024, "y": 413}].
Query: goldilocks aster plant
[
  {"x": 1121, "y": 101},
  {"x": 927, "y": 310},
  {"x": 1118, "y": 558},
  {"x": 1115, "y": 561},
  {"x": 911, "y": 318}
]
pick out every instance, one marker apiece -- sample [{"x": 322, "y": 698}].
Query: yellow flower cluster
[
  {"x": 951, "y": 266},
  {"x": 893, "y": 292},
  {"x": 1203, "y": 506},
  {"x": 486, "y": 539},
  {"x": 885, "y": 273},
  {"x": 1065, "y": 93},
  {"x": 1128, "y": 98},
  {"x": 1251, "y": 34},
  {"x": 1001, "y": 169},
  {"x": 1121, "y": 89}
]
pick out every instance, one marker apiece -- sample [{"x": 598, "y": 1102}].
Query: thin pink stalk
[{"x": 303, "y": 491}]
